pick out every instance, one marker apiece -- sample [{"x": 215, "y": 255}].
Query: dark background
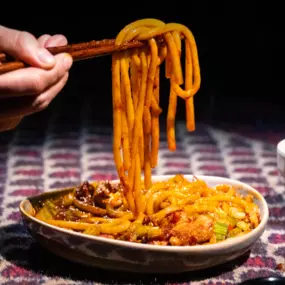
[{"x": 240, "y": 49}]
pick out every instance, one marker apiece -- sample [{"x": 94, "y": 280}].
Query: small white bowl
[
  {"x": 128, "y": 256},
  {"x": 281, "y": 158}
]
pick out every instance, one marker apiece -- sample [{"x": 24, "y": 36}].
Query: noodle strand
[{"x": 136, "y": 79}]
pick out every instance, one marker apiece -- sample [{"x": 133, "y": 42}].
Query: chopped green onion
[
  {"x": 220, "y": 230},
  {"x": 220, "y": 237},
  {"x": 228, "y": 220}
]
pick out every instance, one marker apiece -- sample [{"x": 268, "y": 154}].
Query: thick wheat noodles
[
  {"x": 136, "y": 110},
  {"x": 171, "y": 212},
  {"x": 177, "y": 212}
]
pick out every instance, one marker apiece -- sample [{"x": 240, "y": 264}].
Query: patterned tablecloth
[{"x": 50, "y": 153}]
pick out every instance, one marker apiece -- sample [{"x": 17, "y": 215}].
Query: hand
[{"x": 29, "y": 90}]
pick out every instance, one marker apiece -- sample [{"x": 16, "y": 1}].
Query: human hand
[{"x": 29, "y": 90}]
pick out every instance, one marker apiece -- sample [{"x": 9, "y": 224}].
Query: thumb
[{"x": 25, "y": 47}]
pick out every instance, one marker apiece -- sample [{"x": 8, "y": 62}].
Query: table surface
[{"x": 46, "y": 153}]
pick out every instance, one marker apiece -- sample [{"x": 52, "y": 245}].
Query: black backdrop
[{"x": 240, "y": 49}]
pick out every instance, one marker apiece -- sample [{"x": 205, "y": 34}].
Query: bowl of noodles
[{"x": 187, "y": 223}]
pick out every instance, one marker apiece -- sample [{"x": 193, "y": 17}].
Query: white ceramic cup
[{"x": 281, "y": 158}]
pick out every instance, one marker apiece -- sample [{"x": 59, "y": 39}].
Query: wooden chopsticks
[{"x": 78, "y": 52}]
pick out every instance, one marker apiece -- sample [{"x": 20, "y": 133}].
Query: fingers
[
  {"x": 24, "y": 46},
  {"x": 43, "y": 39},
  {"x": 26, "y": 105},
  {"x": 33, "y": 81},
  {"x": 51, "y": 41},
  {"x": 56, "y": 40},
  {"x": 45, "y": 98}
]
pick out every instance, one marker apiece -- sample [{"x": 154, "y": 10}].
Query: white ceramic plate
[{"x": 121, "y": 255}]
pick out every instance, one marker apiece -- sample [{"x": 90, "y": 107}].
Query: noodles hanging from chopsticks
[
  {"x": 135, "y": 92},
  {"x": 175, "y": 211}
]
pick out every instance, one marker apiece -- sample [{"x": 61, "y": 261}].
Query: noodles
[
  {"x": 173, "y": 212},
  {"x": 176, "y": 212},
  {"x": 135, "y": 89}
]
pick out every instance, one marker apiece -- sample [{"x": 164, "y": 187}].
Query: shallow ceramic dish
[{"x": 127, "y": 256}]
